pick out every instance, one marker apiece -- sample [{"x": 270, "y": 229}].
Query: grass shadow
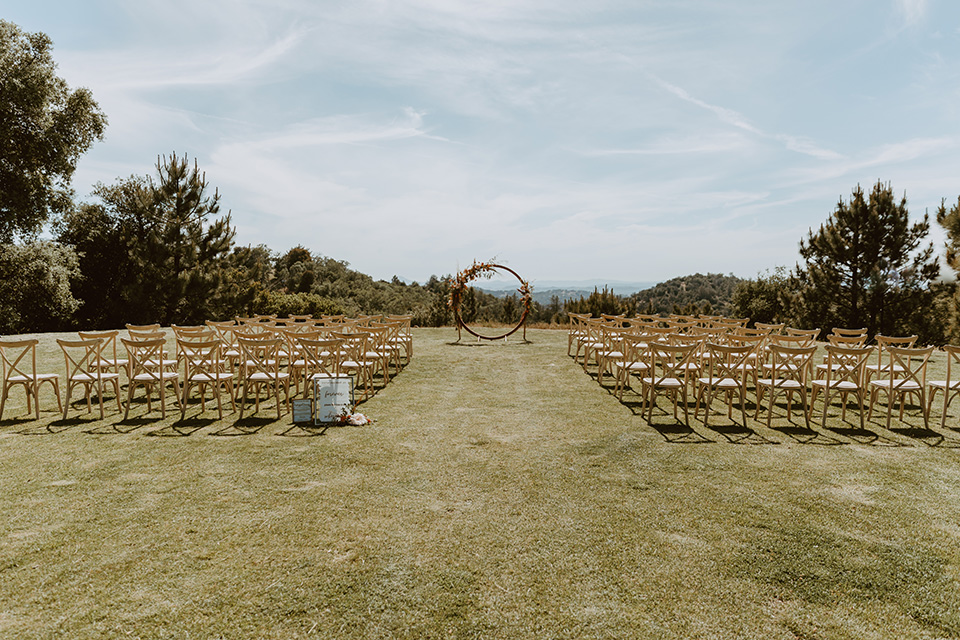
[
  {"x": 182, "y": 428},
  {"x": 128, "y": 425},
  {"x": 739, "y": 434},
  {"x": 53, "y": 428},
  {"x": 305, "y": 431},
  {"x": 679, "y": 433},
  {"x": 927, "y": 436},
  {"x": 806, "y": 435},
  {"x": 244, "y": 427},
  {"x": 16, "y": 422}
]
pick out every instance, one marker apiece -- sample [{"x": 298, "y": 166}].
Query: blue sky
[{"x": 605, "y": 140}]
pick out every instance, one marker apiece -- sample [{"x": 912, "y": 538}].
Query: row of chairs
[
  {"x": 232, "y": 357},
  {"x": 772, "y": 360}
]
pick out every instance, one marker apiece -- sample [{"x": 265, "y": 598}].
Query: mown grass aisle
[{"x": 500, "y": 494}]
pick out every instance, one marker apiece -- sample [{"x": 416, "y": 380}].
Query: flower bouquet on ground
[{"x": 346, "y": 418}]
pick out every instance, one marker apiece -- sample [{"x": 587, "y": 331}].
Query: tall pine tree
[
  {"x": 153, "y": 250},
  {"x": 865, "y": 267}
]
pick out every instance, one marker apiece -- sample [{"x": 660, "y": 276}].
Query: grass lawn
[{"x": 501, "y": 493}]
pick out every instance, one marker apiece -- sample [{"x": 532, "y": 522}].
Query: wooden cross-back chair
[
  {"x": 904, "y": 376},
  {"x": 79, "y": 358},
  {"x": 296, "y": 363},
  {"x": 259, "y": 367},
  {"x": 149, "y": 369},
  {"x": 354, "y": 360},
  {"x": 108, "y": 357},
  {"x": 843, "y": 372},
  {"x": 321, "y": 359},
  {"x": 634, "y": 360},
  {"x": 204, "y": 368},
  {"x": 671, "y": 361},
  {"x": 879, "y": 369},
  {"x": 20, "y": 369},
  {"x": 950, "y": 386},
  {"x": 406, "y": 334},
  {"x": 726, "y": 373},
  {"x": 789, "y": 370}
]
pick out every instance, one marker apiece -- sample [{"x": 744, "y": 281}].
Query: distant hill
[
  {"x": 697, "y": 293},
  {"x": 574, "y": 288},
  {"x": 542, "y": 296}
]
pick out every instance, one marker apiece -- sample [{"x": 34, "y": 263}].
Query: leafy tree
[
  {"x": 767, "y": 299},
  {"x": 247, "y": 274},
  {"x": 865, "y": 267},
  {"x": 35, "y": 291},
  {"x": 44, "y": 128}
]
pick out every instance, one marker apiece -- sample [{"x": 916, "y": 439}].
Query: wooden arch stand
[{"x": 470, "y": 274}]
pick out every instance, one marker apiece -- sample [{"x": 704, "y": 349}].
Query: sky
[{"x": 631, "y": 140}]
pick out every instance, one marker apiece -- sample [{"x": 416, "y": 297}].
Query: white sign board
[{"x": 332, "y": 398}]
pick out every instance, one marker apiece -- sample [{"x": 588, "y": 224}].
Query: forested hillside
[{"x": 711, "y": 293}]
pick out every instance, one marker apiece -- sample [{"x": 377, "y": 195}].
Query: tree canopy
[{"x": 44, "y": 129}]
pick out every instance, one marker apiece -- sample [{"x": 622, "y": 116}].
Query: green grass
[{"x": 501, "y": 493}]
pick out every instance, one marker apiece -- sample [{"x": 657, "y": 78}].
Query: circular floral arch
[{"x": 460, "y": 284}]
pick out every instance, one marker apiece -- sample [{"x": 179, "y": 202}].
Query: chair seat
[
  {"x": 898, "y": 385},
  {"x": 779, "y": 384},
  {"x": 162, "y": 375},
  {"x": 631, "y": 366},
  {"x": 943, "y": 384},
  {"x": 260, "y": 376},
  {"x": 720, "y": 383},
  {"x": 211, "y": 377},
  {"x": 842, "y": 385},
  {"x": 353, "y": 364},
  {"x": 666, "y": 383},
  {"x": 89, "y": 377},
  {"x": 40, "y": 377}
]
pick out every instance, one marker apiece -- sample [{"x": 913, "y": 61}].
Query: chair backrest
[
  {"x": 259, "y": 355},
  {"x": 789, "y": 340},
  {"x": 682, "y": 324},
  {"x": 154, "y": 334},
  {"x": 847, "y": 340},
  {"x": 657, "y": 331},
  {"x": 109, "y": 341},
  {"x": 354, "y": 345},
  {"x": 320, "y": 355},
  {"x": 808, "y": 333},
  {"x": 885, "y": 342},
  {"x": 953, "y": 358},
  {"x": 838, "y": 331},
  {"x": 726, "y": 361},
  {"x": 181, "y": 331},
  {"x": 80, "y": 357},
  {"x": 769, "y": 327},
  {"x": 16, "y": 356},
  {"x": 142, "y": 327},
  {"x": 846, "y": 362},
  {"x": 200, "y": 357},
  {"x": 745, "y": 331},
  {"x": 145, "y": 356},
  {"x": 908, "y": 366},
  {"x": 791, "y": 362},
  {"x": 674, "y": 360}
]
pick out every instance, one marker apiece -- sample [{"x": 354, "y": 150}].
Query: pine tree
[
  {"x": 865, "y": 266},
  {"x": 153, "y": 251}
]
